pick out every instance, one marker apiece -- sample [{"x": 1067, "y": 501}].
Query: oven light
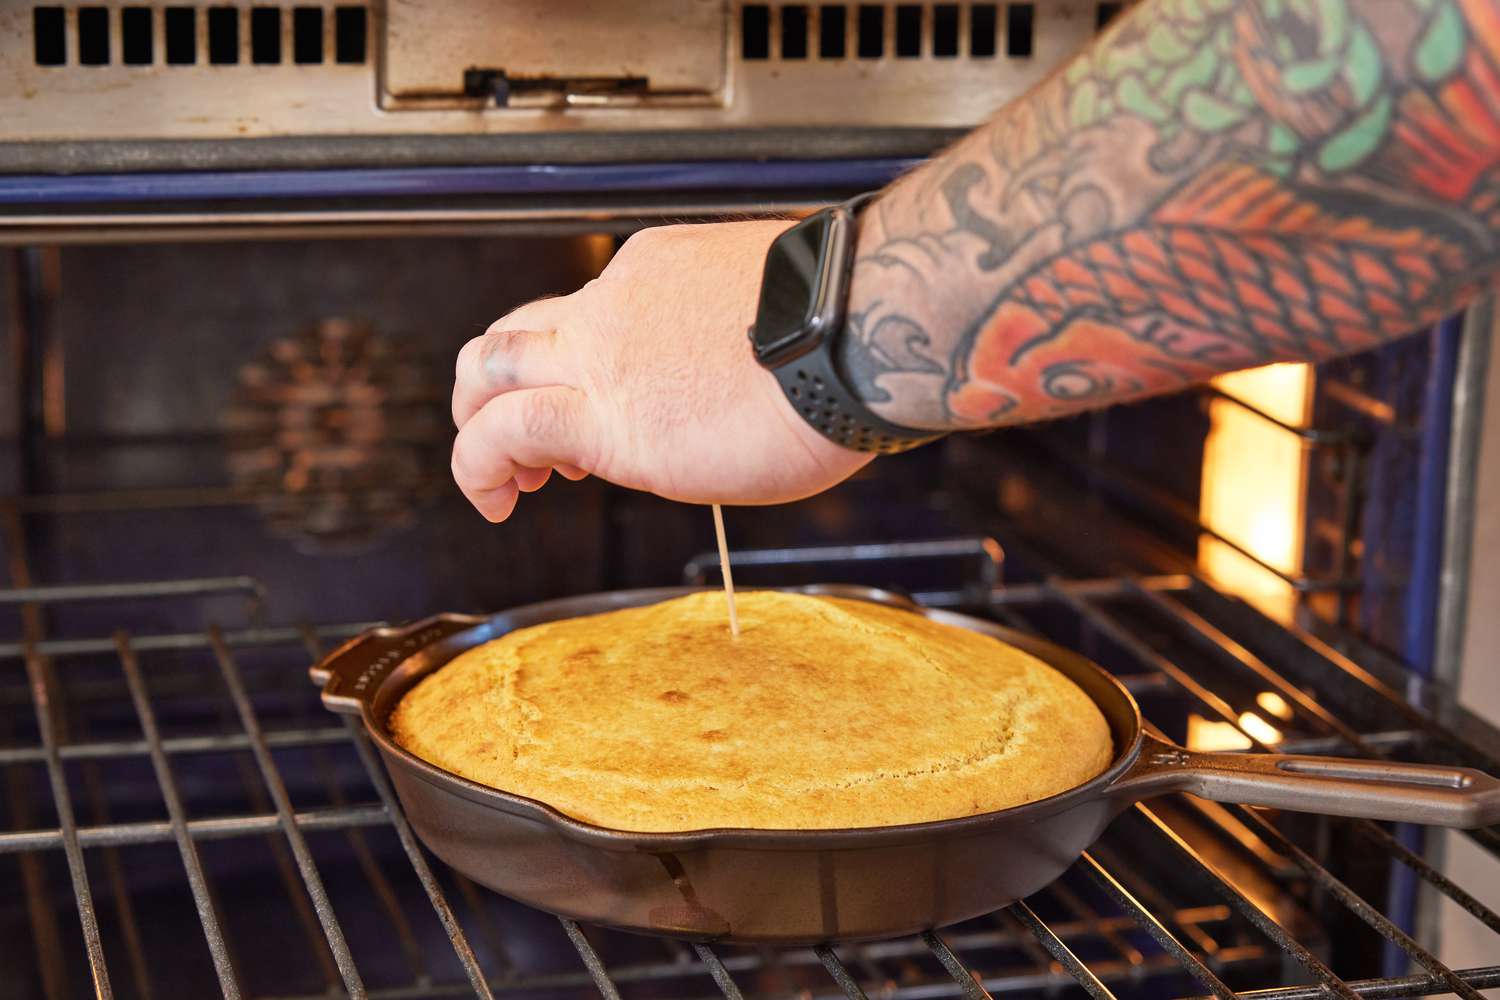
[
  {"x": 1274, "y": 704},
  {"x": 1259, "y": 728},
  {"x": 1254, "y": 476},
  {"x": 1211, "y": 734}
]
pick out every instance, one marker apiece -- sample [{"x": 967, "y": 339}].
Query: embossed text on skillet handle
[{"x": 352, "y": 673}]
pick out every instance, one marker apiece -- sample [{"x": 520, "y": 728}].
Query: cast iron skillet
[{"x": 809, "y": 886}]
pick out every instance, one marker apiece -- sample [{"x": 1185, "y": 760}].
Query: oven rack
[
  {"x": 1183, "y": 939},
  {"x": 1347, "y": 447}
]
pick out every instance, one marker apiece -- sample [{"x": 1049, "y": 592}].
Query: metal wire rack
[{"x": 1160, "y": 904}]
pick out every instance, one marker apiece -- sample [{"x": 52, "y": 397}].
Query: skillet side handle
[
  {"x": 1339, "y": 786},
  {"x": 351, "y": 674}
]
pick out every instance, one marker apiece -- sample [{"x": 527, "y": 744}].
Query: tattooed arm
[{"x": 1214, "y": 184}]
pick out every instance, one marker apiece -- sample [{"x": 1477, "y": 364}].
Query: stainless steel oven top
[{"x": 128, "y": 71}]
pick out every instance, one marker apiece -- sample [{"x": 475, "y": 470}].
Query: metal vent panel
[
  {"x": 145, "y": 36},
  {"x": 123, "y": 70},
  {"x": 796, "y": 33}
]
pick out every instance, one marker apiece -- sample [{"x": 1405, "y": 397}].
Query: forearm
[{"x": 1214, "y": 184}]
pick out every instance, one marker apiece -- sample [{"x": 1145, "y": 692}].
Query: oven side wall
[{"x": 1465, "y": 943}]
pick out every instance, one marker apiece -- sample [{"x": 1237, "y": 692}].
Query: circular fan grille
[{"x": 338, "y": 435}]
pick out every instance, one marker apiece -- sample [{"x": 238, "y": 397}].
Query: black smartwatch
[{"x": 803, "y": 296}]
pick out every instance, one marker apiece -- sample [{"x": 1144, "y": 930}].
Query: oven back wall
[
  {"x": 281, "y": 410},
  {"x": 155, "y": 336}
]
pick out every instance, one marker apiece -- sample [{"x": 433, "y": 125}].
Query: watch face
[{"x": 789, "y": 292}]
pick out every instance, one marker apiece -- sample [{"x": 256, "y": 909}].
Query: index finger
[{"x": 518, "y": 351}]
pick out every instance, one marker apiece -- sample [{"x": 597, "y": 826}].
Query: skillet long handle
[
  {"x": 352, "y": 673},
  {"x": 1340, "y": 786}
]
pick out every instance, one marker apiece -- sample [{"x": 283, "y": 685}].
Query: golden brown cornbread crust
[{"x": 824, "y": 713}]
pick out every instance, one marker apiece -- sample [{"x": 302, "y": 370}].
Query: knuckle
[
  {"x": 505, "y": 324},
  {"x": 497, "y": 338},
  {"x": 459, "y": 465},
  {"x": 544, "y": 415},
  {"x": 472, "y": 463},
  {"x": 497, "y": 357},
  {"x": 468, "y": 356}
]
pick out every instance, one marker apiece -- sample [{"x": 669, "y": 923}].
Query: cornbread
[{"x": 823, "y": 713}]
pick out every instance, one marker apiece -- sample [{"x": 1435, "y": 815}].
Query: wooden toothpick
[{"x": 734, "y": 618}]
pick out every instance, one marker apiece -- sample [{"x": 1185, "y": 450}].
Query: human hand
[{"x": 643, "y": 377}]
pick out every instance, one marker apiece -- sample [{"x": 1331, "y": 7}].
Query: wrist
[
  {"x": 887, "y": 351},
  {"x": 800, "y": 321}
]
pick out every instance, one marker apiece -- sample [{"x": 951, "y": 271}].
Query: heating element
[{"x": 181, "y": 816}]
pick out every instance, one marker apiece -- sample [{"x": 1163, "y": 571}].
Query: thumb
[{"x": 528, "y": 428}]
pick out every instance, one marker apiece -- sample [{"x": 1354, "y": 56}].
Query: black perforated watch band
[{"x": 818, "y": 393}]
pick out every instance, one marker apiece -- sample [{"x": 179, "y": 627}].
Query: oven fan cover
[{"x": 337, "y": 435}]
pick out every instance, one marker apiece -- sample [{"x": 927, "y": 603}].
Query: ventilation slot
[
  {"x": 1019, "y": 21},
  {"x": 49, "y": 36},
  {"x": 1105, "y": 13},
  {"x": 224, "y": 24},
  {"x": 265, "y": 36},
  {"x": 833, "y": 30},
  {"x": 755, "y": 31},
  {"x": 908, "y": 31},
  {"x": 135, "y": 36},
  {"x": 181, "y": 30},
  {"x": 945, "y": 30},
  {"x": 307, "y": 35},
  {"x": 919, "y": 31},
  {"x": 982, "y": 25},
  {"x": 794, "y": 32},
  {"x": 223, "y": 36},
  {"x": 93, "y": 36},
  {"x": 349, "y": 34},
  {"x": 871, "y": 31}
]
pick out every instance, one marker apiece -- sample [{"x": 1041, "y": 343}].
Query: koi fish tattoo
[{"x": 1214, "y": 184}]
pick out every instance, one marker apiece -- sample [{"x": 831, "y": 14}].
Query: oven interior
[
  {"x": 229, "y": 333},
  {"x": 225, "y": 457}
]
